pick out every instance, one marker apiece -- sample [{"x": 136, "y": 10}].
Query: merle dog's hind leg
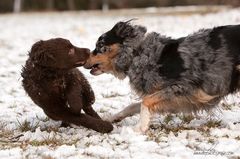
[{"x": 130, "y": 110}]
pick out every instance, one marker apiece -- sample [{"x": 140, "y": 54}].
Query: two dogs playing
[{"x": 170, "y": 75}]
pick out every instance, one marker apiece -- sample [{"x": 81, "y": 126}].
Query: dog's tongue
[
  {"x": 96, "y": 70},
  {"x": 93, "y": 70}
]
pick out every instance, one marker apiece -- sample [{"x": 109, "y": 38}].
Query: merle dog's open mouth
[{"x": 94, "y": 68}]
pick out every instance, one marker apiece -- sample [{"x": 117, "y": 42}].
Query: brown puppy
[{"x": 52, "y": 81}]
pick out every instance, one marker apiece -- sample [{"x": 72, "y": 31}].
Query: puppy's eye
[{"x": 71, "y": 51}]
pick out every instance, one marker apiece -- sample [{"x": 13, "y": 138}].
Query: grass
[
  {"x": 50, "y": 141},
  {"x": 47, "y": 157},
  {"x": 226, "y": 106},
  {"x": 53, "y": 142},
  {"x": 7, "y": 138},
  {"x": 155, "y": 135},
  {"x": 168, "y": 118},
  {"x": 213, "y": 123},
  {"x": 4, "y": 133},
  {"x": 237, "y": 138},
  {"x": 11, "y": 141},
  {"x": 211, "y": 140},
  {"x": 186, "y": 118},
  {"x": 113, "y": 95},
  {"x": 50, "y": 129},
  {"x": 166, "y": 127},
  {"x": 27, "y": 126}
]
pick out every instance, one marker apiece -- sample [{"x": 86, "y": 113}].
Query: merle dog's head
[
  {"x": 58, "y": 53},
  {"x": 111, "y": 43}
]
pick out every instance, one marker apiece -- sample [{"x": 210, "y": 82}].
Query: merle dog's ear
[
  {"x": 40, "y": 55},
  {"x": 126, "y": 30}
]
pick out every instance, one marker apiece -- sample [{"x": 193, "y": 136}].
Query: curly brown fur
[{"x": 53, "y": 82}]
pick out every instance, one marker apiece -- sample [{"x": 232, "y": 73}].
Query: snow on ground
[{"x": 26, "y": 132}]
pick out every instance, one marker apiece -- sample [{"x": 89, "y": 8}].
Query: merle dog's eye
[
  {"x": 105, "y": 49},
  {"x": 108, "y": 49}
]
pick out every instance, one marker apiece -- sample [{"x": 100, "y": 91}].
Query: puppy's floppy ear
[
  {"x": 39, "y": 54},
  {"x": 126, "y": 30}
]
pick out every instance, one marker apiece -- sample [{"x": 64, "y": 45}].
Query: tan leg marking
[
  {"x": 143, "y": 123},
  {"x": 198, "y": 99},
  {"x": 203, "y": 97}
]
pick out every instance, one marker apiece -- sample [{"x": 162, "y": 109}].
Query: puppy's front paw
[
  {"x": 65, "y": 125},
  {"x": 105, "y": 127}
]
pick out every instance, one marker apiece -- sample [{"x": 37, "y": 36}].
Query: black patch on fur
[
  {"x": 112, "y": 38},
  {"x": 118, "y": 34},
  {"x": 215, "y": 40},
  {"x": 234, "y": 81},
  {"x": 231, "y": 35},
  {"x": 109, "y": 38},
  {"x": 170, "y": 61}
]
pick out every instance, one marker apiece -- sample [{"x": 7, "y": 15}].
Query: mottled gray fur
[
  {"x": 186, "y": 74},
  {"x": 138, "y": 59}
]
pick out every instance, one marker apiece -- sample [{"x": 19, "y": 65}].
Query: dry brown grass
[
  {"x": 27, "y": 126},
  {"x": 166, "y": 127}
]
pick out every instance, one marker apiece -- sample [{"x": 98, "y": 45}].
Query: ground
[{"x": 26, "y": 132}]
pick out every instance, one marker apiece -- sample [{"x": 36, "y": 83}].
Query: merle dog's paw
[
  {"x": 113, "y": 118},
  {"x": 141, "y": 129}
]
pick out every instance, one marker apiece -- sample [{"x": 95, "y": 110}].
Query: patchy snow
[{"x": 26, "y": 132}]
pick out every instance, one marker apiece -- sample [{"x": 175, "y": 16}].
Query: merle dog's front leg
[{"x": 130, "y": 110}]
